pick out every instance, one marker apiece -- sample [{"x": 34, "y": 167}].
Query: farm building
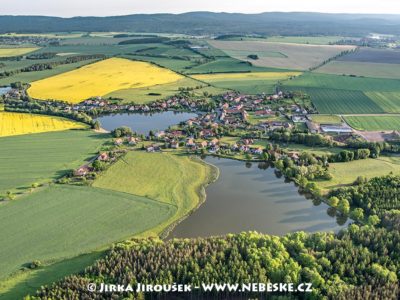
[{"x": 336, "y": 129}]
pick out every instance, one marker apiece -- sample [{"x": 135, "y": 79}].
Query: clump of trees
[
  {"x": 122, "y": 132},
  {"x": 373, "y": 197}
]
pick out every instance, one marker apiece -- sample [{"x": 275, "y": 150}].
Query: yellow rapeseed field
[
  {"x": 20, "y": 123},
  {"x": 99, "y": 79},
  {"x": 7, "y": 52},
  {"x": 246, "y": 76}
]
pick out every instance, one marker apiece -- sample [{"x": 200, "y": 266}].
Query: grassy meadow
[
  {"x": 42, "y": 157},
  {"x": 99, "y": 79},
  {"x": 374, "y": 123},
  {"x": 346, "y": 173},
  {"x": 326, "y": 119},
  {"x": 70, "y": 220},
  {"x": 169, "y": 178},
  {"x": 9, "y": 52},
  {"x": 22, "y": 123}
]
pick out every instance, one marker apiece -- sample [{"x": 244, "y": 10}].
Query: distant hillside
[{"x": 198, "y": 23}]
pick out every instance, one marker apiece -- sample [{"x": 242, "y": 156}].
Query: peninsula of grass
[{"x": 175, "y": 179}]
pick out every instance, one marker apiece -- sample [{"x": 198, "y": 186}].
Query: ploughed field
[
  {"x": 99, "y": 79},
  {"x": 291, "y": 56},
  {"x": 22, "y": 123},
  {"x": 369, "y": 62}
]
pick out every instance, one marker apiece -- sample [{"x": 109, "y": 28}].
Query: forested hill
[{"x": 213, "y": 23}]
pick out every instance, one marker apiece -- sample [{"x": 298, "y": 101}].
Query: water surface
[
  {"x": 248, "y": 198},
  {"x": 4, "y": 90},
  {"x": 143, "y": 123}
]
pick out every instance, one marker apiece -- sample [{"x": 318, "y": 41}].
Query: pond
[
  {"x": 143, "y": 123},
  {"x": 4, "y": 90},
  {"x": 251, "y": 197}
]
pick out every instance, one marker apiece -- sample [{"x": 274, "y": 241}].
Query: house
[
  {"x": 299, "y": 119},
  {"x": 159, "y": 134},
  {"x": 262, "y": 113},
  {"x": 174, "y": 144},
  {"x": 258, "y": 151},
  {"x": 190, "y": 143},
  {"x": 213, "y": 142},
  {"x": 119, "y": 142},
  {"x": 103, "y": 156},
  {"x": 203, "y": 144},
  {"x": 132, "y": 140},
  {"x": 82, "y": 170}
]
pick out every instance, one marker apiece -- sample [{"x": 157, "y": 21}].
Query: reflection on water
[
  {"x": 249, "y": 196},
  {"x": 143, "y": 123}
]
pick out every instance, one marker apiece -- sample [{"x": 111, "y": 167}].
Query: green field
[
  {"x": 334, "y": 101},
  {"x": 374, "y": 123},
  {"x": 378, "y": 70},
  {"x": 389, "y": 101},
  {"x": 168, "y": 178},
  {"x": 227, "y": 65},
  {"x": 303, "y": 148},
  {"x": 162, "y": 91},
  {"x": 64, "y": 221},
  {"x": 333, "y": 94},
  {"x": 347, "y": 173},
  {"x": 41, "y": 157}
]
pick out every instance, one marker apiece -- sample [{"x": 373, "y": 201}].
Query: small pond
[
  {"x": 4, "y": 90},
  {"x": 251, "y": 197},
  {"x": 143, "y": 123}
]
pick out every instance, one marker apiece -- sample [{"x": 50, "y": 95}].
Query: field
[
  {"x": 326, "y": 119},
  {"x": 64, "y": 221},
  {"x": 226, "y": 65},
  {"x": 315, "y": 40},
  {"x": 9, "y": 52},
  {"x": 99, "y": 79},
  {"x": 389, "y": 101},
  {"x": 20, "y": 123},
  {"x": 372, "y": 55},
  {"x": 294, "y": 56},
  {"x": 161, "y": 91},
  {"x": 374, "y": 123},
  {"x": 332, "y": 101},
  {"x": 252, "y": 83},
  {"x": 347, "y": 173},
  {"x": 333, "y": 94},
  {"x": 41, "y": 157},
  {"x": 168, "y": 178},
  {"x": 28, "y": 77},
  {"x": 377, "y": 70}
]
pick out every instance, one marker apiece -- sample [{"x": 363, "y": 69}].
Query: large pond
[
  {"x": 251, "y": 197},
  {"x": 143, "y": 123},
  {"x": 4, "y": 90}
]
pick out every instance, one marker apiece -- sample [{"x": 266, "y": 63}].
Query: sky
[{"x": 69, "y": 8}]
